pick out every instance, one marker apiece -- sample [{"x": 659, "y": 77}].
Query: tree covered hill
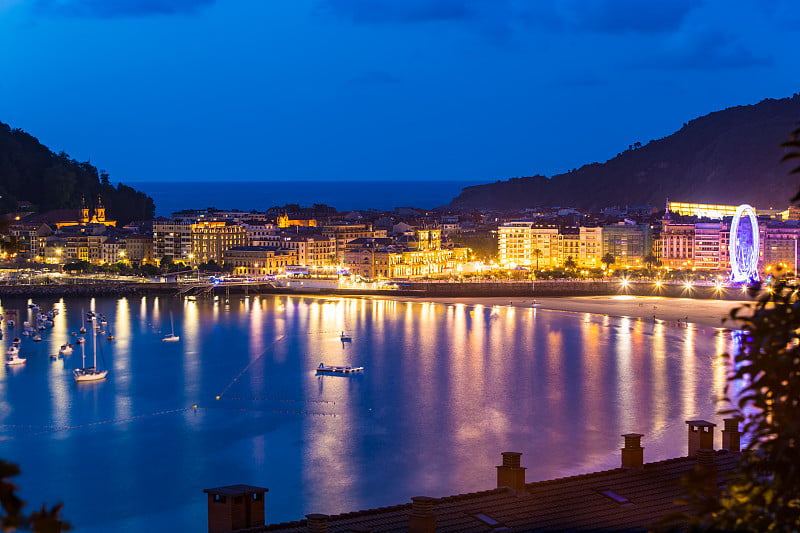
[
  {"x": 726, "y": 157},
  {"x": 29, "y": 171}
]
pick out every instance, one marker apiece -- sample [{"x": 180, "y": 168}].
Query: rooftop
[{"x": 621, "y": 499}]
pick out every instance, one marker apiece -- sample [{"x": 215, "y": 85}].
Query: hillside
[
  {"x": 29, "y": 171},
  {"x": 726, "y": 157}
]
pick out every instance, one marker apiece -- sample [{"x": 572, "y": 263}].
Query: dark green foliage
[
  {"x": 483, "y": 246},
  {"x": 570, "y": 263},
  {"x": 728, "y": 155},
  {"x": 608, "y": 260},
  {"x": 41, "y": 521},
  {"x": 30, "y": 171}
]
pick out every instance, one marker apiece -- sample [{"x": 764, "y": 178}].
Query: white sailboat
[
  {"x": 89, "y": 373},
  {"x": 171, "y": 337}
]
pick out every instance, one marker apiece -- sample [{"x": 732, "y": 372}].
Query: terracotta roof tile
[{"x": 574, "y": 502}]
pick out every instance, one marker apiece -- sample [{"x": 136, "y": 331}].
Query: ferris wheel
[{"x": 744, "y": 245}]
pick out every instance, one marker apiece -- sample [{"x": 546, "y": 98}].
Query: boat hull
[{"x": 83, "y": 375}]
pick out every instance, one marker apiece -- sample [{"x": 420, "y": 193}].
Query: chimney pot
[
  {"x": 317, "y": 523},
  {"x": 731, "y": 436},
  {"x": 701, "y": 436},
  {"x": 706, "y": 468},
  {"x": 422, "y": 519},
  {"x": 510, "y": 474},
  {"x": 633, "y": 453}
]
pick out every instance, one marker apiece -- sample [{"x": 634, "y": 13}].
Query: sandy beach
[{"x": 702, "y": 312}]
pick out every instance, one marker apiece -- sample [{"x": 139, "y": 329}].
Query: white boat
[
  {"x": 16, "y": 342},
  {"x": 90, "y": 373},
  {"x": 344, "y": 337},
  {"x": 80, "y": 340},
  {"x": 82, "y": 330},
  {"x": 171, "y": 337},
  {"x": 339, "y": 369},
  {"x": 37, "y": 338},
  {"x": 12, "y": 356},
  {"x": 65, "y": 349},
  {"x": 10, "y": 322}
]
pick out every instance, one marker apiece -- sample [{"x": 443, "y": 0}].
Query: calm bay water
[
  {"x": 261, "y": 195},
  {"x": 445, "y": 390}
]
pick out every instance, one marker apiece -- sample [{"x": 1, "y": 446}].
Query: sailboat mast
[
  {"x": 94, "y": 344},
  {"x": 83, "y": 357}
]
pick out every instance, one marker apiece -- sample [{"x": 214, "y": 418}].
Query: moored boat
[{"x": 339, "y": 369}]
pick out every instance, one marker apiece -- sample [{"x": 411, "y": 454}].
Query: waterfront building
[
  {"x": 112, "y": 250},
  {"x": 710, "y": 249},
  {"x": 677, "y": 244},
  {"x": 311, "y": 250},
  {"x": 628, "y": 242},
  {"x": 570, "y": 245},
  {"x": 210, "y": 239},
  {"x": 591, "y": 247},
  {"x": 522, "y": 243},
  {"x": 258, "y": 261},
  {"x": 172, "y": 238},
  {"x": 138, "y": 248},
  {"x": 780, "y": 245}
]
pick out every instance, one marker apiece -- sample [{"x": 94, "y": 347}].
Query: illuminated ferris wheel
[{"x": 744, "y": 245}]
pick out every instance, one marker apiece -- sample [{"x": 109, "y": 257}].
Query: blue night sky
[{"x": 465, "y": 90}]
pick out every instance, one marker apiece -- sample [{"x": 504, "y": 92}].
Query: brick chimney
[
  {"x": 701, "y": 436},
  {"x": 633, "y": 453},
  {"x": 510, "y": 474},
  {"x": 421, "y": 519},
  {"x": 317, "y": 523},
  {"x": 731, "y": 436},
  {"x": 706, "y": 469},
  {"x": 235, "y": 507}
]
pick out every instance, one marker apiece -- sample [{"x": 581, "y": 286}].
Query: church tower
[
  {"x": 100, "y": 211},
  {"x": 84, "y": 211}
]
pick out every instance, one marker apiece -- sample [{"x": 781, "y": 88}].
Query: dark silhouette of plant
[
  {"x": 41, "y": 521},
  {"x": 608, "y": 260}
]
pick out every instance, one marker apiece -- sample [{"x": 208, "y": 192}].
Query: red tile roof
[{"x": 634, "y": 499}]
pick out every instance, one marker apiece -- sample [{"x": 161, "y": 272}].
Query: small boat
[
  {"x": 12, "y": 356},
  {"x": 16, "y": 342},
  {"x": 82, "y": 330},
  {"x": 37, "y": 338},
  {"x": 171, "y": 337},
  {"x": 10, "y": 322},
  {"x": 344, "y": 337},
  {"x": 65, "y": 349},
  {"x": 80, "y": 340},
  {"x": 110, "y": 335},
  {"x": 339, "y": 369},
  {"x": 26, "y": 332},
  {"x": 74, "y": 334},
  {"x": 90, "y": 373},
  {"x": 14, "y": 360}
]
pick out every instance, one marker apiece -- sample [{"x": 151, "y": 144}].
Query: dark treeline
[{"x": 29, "y": 171}]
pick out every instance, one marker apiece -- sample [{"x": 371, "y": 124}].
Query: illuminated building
[
  {"x": 138, "y": 248},
  {"x": 780, "y": 245},
  {"x": 344, "y": 233},
  {"x": 527, "y": 244},
  {"x": 311, "y": 250},
  {"x": 258, "y": 260},
  {"x": 628, "y": 243},
  {"x": 591, "y": 243},
  {"x": 285, "y": 221},
  {"x": 172, "y": 238},
  {"x": 209, "y": 239}
]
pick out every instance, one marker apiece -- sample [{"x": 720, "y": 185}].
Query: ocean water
[
  {"x": 446, "y": 389},
  {"x": 343, "y": 195}
]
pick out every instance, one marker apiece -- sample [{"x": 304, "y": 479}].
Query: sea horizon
[{"x": 260, "y": 195}]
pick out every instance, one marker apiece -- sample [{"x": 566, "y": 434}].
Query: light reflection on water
[{"x": 446, "y": 389}]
